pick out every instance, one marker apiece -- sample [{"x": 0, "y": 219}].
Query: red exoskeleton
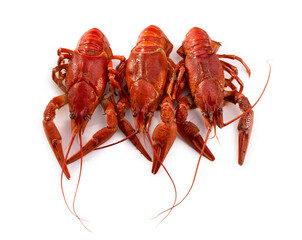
[
  {"x": 204, "y": 74},
  {"x": 147, "y": 73},
  {"x": 82, "y": 75}
]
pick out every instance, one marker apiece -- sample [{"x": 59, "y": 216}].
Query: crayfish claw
[
  {"x": 127, "y": 129},
  {"x": 245, "y": 130},
  {"x": 190, "y": 132},
  {"x": 163, "y": 138}
]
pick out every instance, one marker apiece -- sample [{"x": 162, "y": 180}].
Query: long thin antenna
[
  {"x": 78, "y": 183},
  {"x": 64, "y": 163},
  {"x": 62, "y": 189},
  {"x": 175, "y": 191},
  {"x": 112, "y": 144},
  {"x": 194, "y": 178}
]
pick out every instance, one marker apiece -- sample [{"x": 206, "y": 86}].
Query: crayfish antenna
[
  {"x": 144, "y": 139},
  {"x": 73, "y": 212},
  {"x": 215, "y": 134},
  {"x": 124, "y": 139},
  {"x": 194, "y": 178},
  {"x": 78, "y": 183},
  {"x": 65, "y": 159},
  {"x": 174, "y": 186}
]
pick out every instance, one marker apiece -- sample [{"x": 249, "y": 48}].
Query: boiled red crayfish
[
  {"x": 148, "y": 71},
  {"x": 204, "y": 74},
  {"x": 82, "y": 75}
]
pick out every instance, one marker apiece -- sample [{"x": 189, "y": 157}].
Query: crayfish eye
[
  {"x": 71, "y": 115},
  {"x": 87, "y": 117},
  {"x": 220, "y": 111},
  {"x": 134, "y": 114},
  {"x": 206, "y": 114}
]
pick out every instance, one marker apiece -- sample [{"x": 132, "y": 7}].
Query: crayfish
[
  {"x": 147, "y": 73},
  {"x": 204, "y": 74},
  {"x": 82, "y": 75}
]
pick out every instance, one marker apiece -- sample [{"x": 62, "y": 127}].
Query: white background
[{"x": 118, "y": 194}]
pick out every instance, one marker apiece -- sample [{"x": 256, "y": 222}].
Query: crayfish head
[
  {"x": 144, "y": 100},
  {"x": 153, "y": 35},
  {"x": 93, "y": 43},
  {"x": 82, "y": 103},
  {"x": 209, "y": 99},
  {"x": 197, "y": 41}
]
